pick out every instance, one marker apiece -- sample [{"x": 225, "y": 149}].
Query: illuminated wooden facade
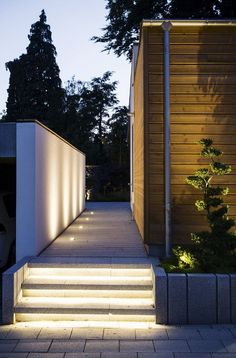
[{"x": 202, "y": 104}]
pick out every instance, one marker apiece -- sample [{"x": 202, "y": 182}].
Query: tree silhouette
[
  {"x": 35, "y": 90},
  {"x": 124, "y": 18}
]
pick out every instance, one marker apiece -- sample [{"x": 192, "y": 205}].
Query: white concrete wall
[{"x": 50, "y": 187}]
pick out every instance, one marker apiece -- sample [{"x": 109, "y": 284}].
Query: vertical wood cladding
[
  {"x": 203, "y": 104},
  {"x": 138, "y": 144}
]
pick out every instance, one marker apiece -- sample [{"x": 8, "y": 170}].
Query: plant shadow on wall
[
  {"x": 212, "y": 116},
  {"x": 213, "y": 250}
]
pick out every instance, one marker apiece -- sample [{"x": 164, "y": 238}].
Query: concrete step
[
  {"x": 88, "y": 271},
  {"x": 91, "y": 318},
  {"x": 40, "y": 311},
  {"x": 87, "y": 302},
  {"x": 109, "y": 292},
  {"x": 42, "y": 285},
  {"x": 92, "y": 280}
]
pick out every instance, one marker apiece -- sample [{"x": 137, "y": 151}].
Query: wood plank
[
  {"x": 194, "y": 49},
  {"x": 196, "y": 118},
  {"x": 188, "y": 128},
  {"x": 190, "y": 148},
  {"x": 193, "y": 98},
  {"x": 192, "y": 138},
  {"x": 186, "y": 158},
  {"x": 194, "y": 58},
  {"x": 194, "y": 79},
  {"x": 190, "y": 88},
  {"x": 185, "y": 68},
  {"x": 194, "y": 38}
]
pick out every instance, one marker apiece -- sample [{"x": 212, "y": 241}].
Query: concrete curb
[
  {"x": 11, "y": 288},
  {"x": 195, "y": 298}
]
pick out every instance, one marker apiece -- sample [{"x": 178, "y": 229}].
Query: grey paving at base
[{"x": 157, "y": 342}]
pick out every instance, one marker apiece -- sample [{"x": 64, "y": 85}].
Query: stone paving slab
[
  {"x": 82, "y": 355},
  {"x": 45, "y": 355},
  {"x": 183, "y": 333},
  {"x": 209, "y": 333},
  {"x": 67, "y": 346},
  {"x": 87, "y": 333},
  {"x": 13, "y": 355},
  {"x": 23, "y": 333},
  {"x": 192, "y": 355},
  {"x": 32, "y": 346},
  {"x": 119, "y": 355},
  {"x": 52, "y": 333},
  {"x": 7, "y": 347},
  {"x": 155, "y": 355},
  {"x": 205, "y": 346},
  {"x": 151, "y": 334},
  {"x": 102, "y": 346},
  {"x": 114, "y": 333},
  {"x": 171, "y": 346},
  {"x": 136, "y": 346}
]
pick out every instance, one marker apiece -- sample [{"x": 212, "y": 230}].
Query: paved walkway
[
  {"x": 103, "y": 230},
  {"x": 158, "y": 342}
]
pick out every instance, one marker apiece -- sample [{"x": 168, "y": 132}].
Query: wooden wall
[
  {"x": 203, "y": 104},
  {"x": 138, "y": 144}
]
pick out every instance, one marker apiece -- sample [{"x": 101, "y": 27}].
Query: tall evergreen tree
[{"x": 35, "y": 90}]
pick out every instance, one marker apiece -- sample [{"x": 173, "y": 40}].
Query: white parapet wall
[{"x": 50, "y": 187}]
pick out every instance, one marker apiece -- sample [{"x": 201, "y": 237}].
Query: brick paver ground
[{"x": 21, "y": 341}]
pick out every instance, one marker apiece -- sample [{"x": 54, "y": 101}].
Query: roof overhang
[{"x": 189, "y": 22}]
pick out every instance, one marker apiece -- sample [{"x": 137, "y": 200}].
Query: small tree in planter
[{"x": 212, "y": 250}]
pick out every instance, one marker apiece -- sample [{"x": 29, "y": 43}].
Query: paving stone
[
  {"x": 55, "y": 333},
  {"x": 230, "y": 345},
  {"x": 4, "y": 330},
  {"x": 223, "y": 355},
  {"x": 32, "y": 346},
  {"x": 183, "y": 333},
  {"x": 7, "y": 347},
  {"x": 155, "y": 355},
  {"x": 45, "y": 355},
  {"x": 119, "y": 355},
  {"x": 136, "y": 346},
  {"x": 202, "y": 309},
  {"x": 67, "y": 346},
  {"x": 214, "y": 333},
  {"x": 177, "y": 298},
  {"x": 101, "y": 346},
  {"x": 171, "y": 346},
  {"x": 116, "y": 333},
  {"x": 23, "y": 333},
  {"x": 192, "y": 355},
  {"x": 82, "y": 355},
  {"x": 151, "y": 334},
  {"x": 206, "y": 346},
  {"x": 87, "y": 333},
  {"x": 233, "y": 330},
  {"x": 13, "y": 355}
]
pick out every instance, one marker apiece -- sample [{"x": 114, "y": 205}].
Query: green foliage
[
  {"x": 124, "y": 18},
  {"x": 35, "y": 90},
  {"x": 215, "y": 249}
]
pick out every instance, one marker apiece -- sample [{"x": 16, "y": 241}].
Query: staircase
[{"x": 86, "y": 292}]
